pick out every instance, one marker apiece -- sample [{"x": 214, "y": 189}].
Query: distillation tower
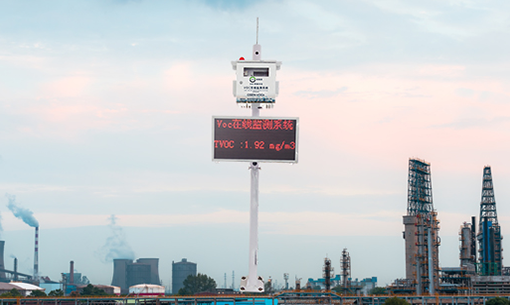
[
  {"x": 345, "y": 264},
  {"x": 421, "y": 230},
  {"x": 467, "y": 247},
  {"x": 327, "y": 273},
  {"x": 490, "y": 259}
]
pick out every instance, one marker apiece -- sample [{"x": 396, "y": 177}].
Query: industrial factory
[
  {"x": 127, "y": 273},
  {"x": 479, "y": 272},
  {"x": 480, "y": 269}
]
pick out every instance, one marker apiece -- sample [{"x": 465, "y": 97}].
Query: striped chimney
[{"x": 36, "y": 253}]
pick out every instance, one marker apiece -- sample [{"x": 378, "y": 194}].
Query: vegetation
[
  {"x": 395, "y": 301},
  {"x": 196, "y": 284},
  {"x": 498, "y": 301},
  {"x": 37, "y": 293},
  {"x": 56, "y": 293},
  {"x": 378, "y": 291},
  {"x": 91, "y": 290},
  {"x": 13, "y": 293}
]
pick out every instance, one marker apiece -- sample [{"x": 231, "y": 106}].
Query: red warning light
[{"x": 241, "y": 58}]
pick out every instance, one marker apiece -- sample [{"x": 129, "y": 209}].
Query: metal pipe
[
  {"x": 254, "y": 211},
  {"x": 473, "y": 238},
  {"x": 419, "y": 256},
  {"x": 431, "y": 274}
]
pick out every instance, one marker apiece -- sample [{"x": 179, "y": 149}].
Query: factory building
[
  {"x": 180, "y": 271},
  {"x": 421, "y": 230},
  {"x": 127, "y": 273},
  {"x": 24, "y": 289}
]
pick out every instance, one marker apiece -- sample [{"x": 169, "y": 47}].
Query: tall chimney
[
  {"x": 71, "y": 273},
  {"x": 2, "y": 266},
  {"x": 36, "y": 253},
  {"x": 15, "y": 269}
]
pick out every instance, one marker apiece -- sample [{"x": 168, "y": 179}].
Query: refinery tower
[
  {"x": 490, "y": 259},
  {"x": 421, "y": 230}
]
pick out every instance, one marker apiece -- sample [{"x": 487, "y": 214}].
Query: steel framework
[
  {"x": 419, "y": 191},
  {"x": 490, "y": 261},
  {"x": 421, "y": 230}
]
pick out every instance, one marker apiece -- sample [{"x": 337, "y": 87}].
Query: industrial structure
[
  {"x": 421, "y": 230},
  {"x": 345, "y": 264},
  {"x": 36, "y": 253},
  {"x": 480, "y": 270},
  {"x": 8, "y": 275},
  {"x": 490, "y": 261},
  {"x": 180, "y": 271},
  {"x": 127, "y": 273},
  {"x": 467, "y": 238},
  {"x": 327, "y": 273}
]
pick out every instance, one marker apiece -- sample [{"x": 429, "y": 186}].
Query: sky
[{"x": 106, "y": 107}]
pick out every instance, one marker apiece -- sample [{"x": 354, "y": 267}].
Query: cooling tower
[
  {"x": 120, "y": 274},
  {"x": 153, "y": 262},
  {"x": 2, "y": 266}
]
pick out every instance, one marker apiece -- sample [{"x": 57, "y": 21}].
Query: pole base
[{"x": 256, "y": 285}]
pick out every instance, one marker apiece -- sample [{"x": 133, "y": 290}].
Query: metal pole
[{"x": 254, "y": 218}]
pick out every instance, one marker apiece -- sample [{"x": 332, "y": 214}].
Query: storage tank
[{"x": 147, "y": 290}]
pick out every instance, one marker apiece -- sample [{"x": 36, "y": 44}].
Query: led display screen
[{"x": 255, "y": 139}]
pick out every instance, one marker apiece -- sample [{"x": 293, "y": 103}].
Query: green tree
[
  {"x": 13, "y": 293},
  {"x": 395, "y": 301},
  {"x": 378, "y": 290},
  {"x": 498, "y": 301},
  {"x": 56, "y": 293},
  {"x": 91, "y": 290},
  {"x": 37, "y": 293},
  {"x": 196, "y": 284}
]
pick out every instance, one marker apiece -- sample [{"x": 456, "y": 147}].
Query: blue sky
[{"x": 106, "y": 106}]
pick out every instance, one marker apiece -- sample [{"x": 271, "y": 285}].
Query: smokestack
[
  {"x": 2, "y": 266},
  {"x": 71, "y": 273},
  {"x": 15, "y": 269},
  {"x": 36, "y": 253}
]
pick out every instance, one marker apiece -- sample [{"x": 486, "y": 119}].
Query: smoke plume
[
  {"x": 116, "y": 245},
  {"x": 20, "y": 212}
]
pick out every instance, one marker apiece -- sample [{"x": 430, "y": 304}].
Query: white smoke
[
  {"x": 20, "y": 212},
  {"x": 116, "y": 245}
]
